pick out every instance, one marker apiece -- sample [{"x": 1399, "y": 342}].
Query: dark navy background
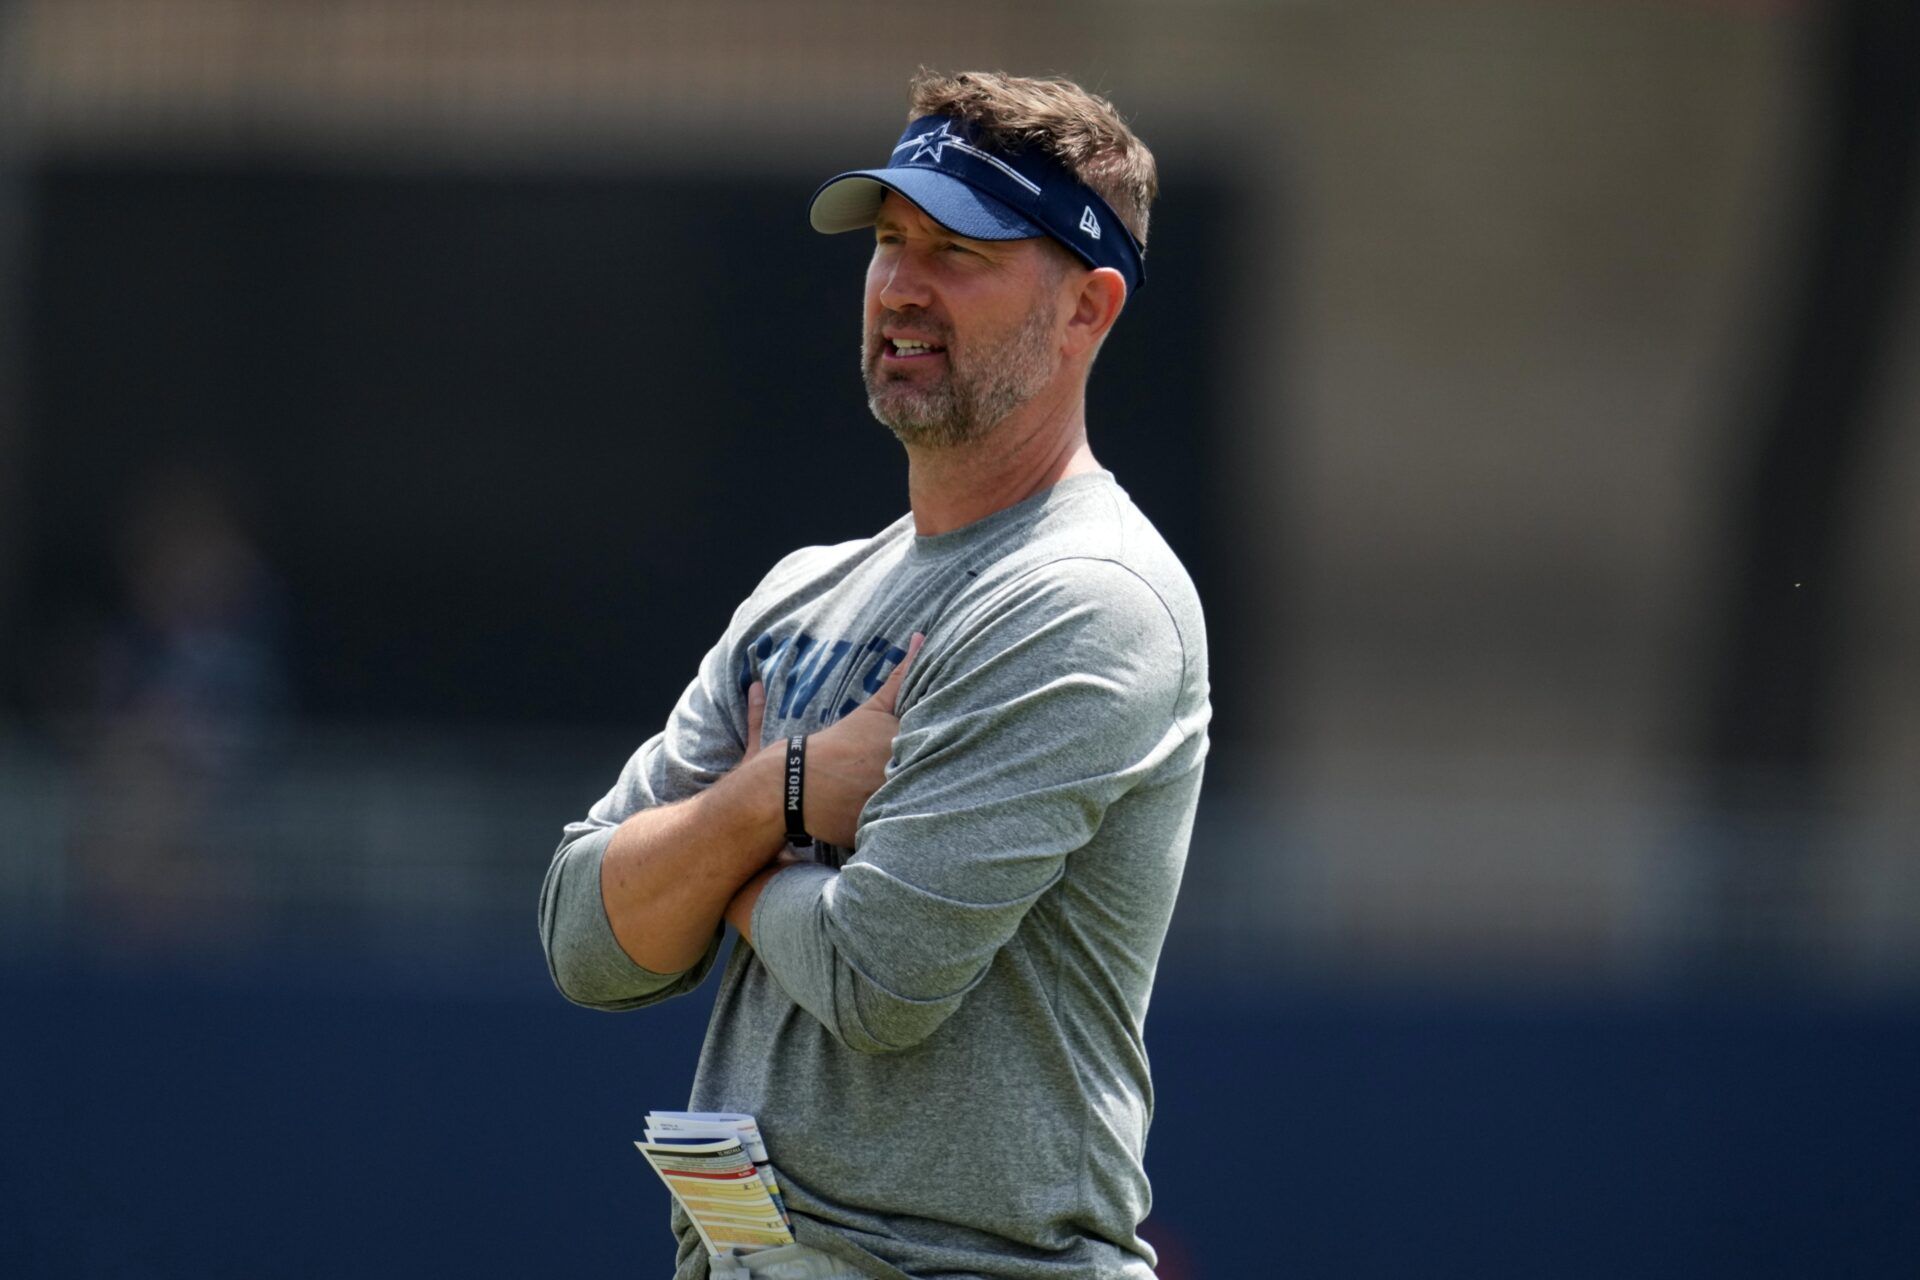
[{"x": 307, "y": 1122}]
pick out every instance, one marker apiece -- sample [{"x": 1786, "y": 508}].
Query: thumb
[
  {"x": 889, "y": 696},
  {"x": 756, "y": 716}
]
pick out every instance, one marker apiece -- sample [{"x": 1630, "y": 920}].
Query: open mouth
[{"x": 909, "y": 349}]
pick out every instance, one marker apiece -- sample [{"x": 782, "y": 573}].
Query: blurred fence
[{"x": 428, "y": 847}]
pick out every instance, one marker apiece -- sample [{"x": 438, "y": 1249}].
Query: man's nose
[{"x": 904, "y": 283}]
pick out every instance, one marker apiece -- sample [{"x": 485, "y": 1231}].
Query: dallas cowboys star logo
[
  {"x": 934, "y": 143},
  {"x": 931, "y": 143}
]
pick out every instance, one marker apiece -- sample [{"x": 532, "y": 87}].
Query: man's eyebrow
[{"x": 887, "y": 222}]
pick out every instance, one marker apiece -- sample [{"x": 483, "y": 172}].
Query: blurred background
[{"x": 396, "y": 398}]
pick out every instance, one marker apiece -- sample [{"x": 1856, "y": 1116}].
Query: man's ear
[{"x": 1102, "y": 294}]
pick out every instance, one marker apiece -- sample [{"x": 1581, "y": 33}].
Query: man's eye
[{"x": 959, "y": 248}]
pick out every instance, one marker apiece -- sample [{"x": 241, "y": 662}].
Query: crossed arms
[
  {"x": 1032, "y": 711},
  {"x": 670, "y": 874}
]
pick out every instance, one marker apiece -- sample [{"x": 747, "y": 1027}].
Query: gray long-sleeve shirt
[{"x": 941, "y": 1031}]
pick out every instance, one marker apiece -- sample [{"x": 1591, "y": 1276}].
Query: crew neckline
[{"x": 940, "y": 545}]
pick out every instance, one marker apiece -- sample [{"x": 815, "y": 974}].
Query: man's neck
[{"x": 951, "y": 488}]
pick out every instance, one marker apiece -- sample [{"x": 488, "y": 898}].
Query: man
[{"x": 936, "y": 1013}]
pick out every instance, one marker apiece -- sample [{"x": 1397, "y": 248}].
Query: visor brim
[{"x": 849, "y": 201}]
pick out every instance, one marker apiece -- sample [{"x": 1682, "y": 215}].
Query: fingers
[
  {"x": 756, "y": 716},
  {"x": 889, "y": 696}
]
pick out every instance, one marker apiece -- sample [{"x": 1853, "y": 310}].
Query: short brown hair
[{"x": 1057, "y": 117}]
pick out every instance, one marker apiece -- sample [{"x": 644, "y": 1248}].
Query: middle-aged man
[{"x": 989, "y": 718}]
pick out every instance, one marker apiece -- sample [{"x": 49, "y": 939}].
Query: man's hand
[
  {"x": 839, "y": 779},
  {"x": 847, "y": 760}
]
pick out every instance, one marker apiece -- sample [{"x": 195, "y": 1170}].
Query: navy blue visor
[{"x": 983, "y": 195}]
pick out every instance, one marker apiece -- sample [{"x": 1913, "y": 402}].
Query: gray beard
[{"x": 974, "y": 397}]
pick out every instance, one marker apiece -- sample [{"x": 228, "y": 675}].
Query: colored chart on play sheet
[{"x": 716, "y": 1182}]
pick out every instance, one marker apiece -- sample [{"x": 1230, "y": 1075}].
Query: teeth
[{"x": 910, "y": 347}]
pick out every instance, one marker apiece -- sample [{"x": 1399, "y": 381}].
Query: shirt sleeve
[
  {"x": 703, "y": 739},
  {"x": 1033, "y": 712}
]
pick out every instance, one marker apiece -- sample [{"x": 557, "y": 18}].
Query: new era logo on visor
[{"x": 1089, "y": 223}]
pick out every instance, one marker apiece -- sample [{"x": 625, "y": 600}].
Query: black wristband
[{"x": 796, "y": 790}]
